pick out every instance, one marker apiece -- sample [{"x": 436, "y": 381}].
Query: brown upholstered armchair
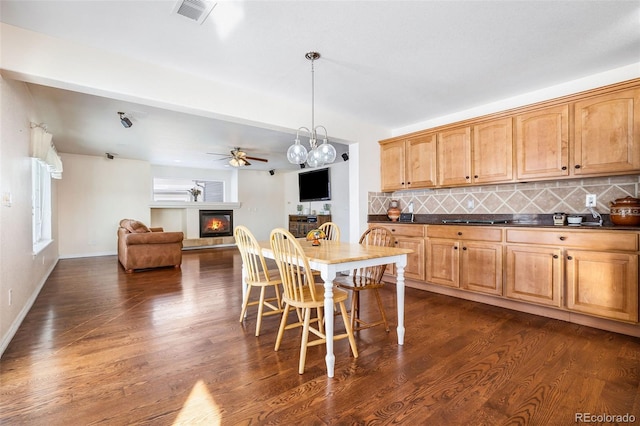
[{"x": 140, "y": 247}]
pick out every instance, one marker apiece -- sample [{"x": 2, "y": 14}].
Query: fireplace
[{"x": 216, "y": 223}]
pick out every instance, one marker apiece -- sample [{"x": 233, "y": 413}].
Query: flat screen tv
[{"x": 314, "y": 185}]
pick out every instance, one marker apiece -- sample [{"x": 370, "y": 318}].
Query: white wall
[
  {"x": 262, "y": 201},
  {"x": 21, "y": 272},
  {"x": 74, "y": 66}
]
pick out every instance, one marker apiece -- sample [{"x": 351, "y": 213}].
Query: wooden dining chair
[
  {"x": 305, "y": 296},
  {"x": 369, "y": 278},
  {"x": 331, "y": 230},
  {"x": 257, "y": 276}
]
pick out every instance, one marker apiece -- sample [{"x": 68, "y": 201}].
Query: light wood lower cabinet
[
  {"x": 467, "y": 257},
  {"x": 410, "y": 237},
  {"x": 534, "y": 274},
  {"x": 603, "y": 284},
  {"x": 591, "y": 272}
]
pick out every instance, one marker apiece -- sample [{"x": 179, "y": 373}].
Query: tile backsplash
[{"x": 518, "y": 198}]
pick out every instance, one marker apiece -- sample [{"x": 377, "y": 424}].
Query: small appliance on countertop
[{"x": 559, "y": 218}]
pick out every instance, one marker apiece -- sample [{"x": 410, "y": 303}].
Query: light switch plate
[{"x": 590, "y": 200}]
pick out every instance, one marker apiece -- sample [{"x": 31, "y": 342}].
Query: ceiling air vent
[{"x": 196, "y": 10}]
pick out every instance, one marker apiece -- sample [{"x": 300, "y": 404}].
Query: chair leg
[
  {"x": 245, "y": 303},
  {"x": 349, "y": 329},
  {"x": 260, "y": 311},
  {"x": 283, "y": 324},
  {"x": 384, "y": 317},
  {"x": 305, "y": 340},
  {"x": 355, "y": 303}
]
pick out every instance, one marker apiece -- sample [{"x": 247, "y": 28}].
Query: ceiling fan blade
[{"x": 264, "y": 160}]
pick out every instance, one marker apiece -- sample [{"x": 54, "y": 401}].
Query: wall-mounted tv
[{"x": 314, "y": 185}]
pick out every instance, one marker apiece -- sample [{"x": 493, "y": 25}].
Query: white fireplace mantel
[
  {"x": 184, "y": 216},
  {"x": 192, "y": 205}
]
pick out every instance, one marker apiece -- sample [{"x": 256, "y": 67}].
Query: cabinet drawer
[
  {"x": 404, "y": 230},
  {"x": 475, "y": 233},
  {"x": 593, "y": 240}
]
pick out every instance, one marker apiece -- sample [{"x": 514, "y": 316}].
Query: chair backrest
[
  {"x": 331, "y": 230},
  {"x": 252, "y": 259},
  {"x": 374, "y": 236},
  {"x": 292, "y": 262}
]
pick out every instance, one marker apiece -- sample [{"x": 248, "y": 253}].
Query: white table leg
[
  {"x": 400, "y": 296},
  {"x": 328, "y": 276}
]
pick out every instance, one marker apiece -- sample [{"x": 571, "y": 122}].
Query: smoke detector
[{"x": 196, "y": 10}]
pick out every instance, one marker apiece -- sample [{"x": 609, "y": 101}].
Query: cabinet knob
[
  {"x": 564, "y": 167},
  {"x": 562, "y": 238},
  {"x": 459, "y": 233},
  {"x": 408, "y": 183},
  {"x": 475, "y": 176},
  {"x": 464, "y": 248},
  {"x": 577, "y": 166},
  {"x": 569, "y": 258},
  {"x": 455, "y": 247},
  {"x": 466, "y": 177},
  {"x": 555, "y": 256}
]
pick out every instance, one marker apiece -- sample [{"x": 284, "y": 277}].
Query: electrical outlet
[
  {"x": 10, "y": 296},
  {"x": 591, "y": 200}
]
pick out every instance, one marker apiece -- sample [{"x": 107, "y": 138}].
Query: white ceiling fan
[{"x": 239, "y": 158}]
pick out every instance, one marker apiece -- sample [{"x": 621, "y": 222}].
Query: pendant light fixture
[{"x": 318, "y": 155}]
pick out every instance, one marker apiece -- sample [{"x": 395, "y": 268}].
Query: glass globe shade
[
  {"x": 313, "y": 160},
  {"x": 327, "y": 153},
  {"x": 297, "y": 154}
]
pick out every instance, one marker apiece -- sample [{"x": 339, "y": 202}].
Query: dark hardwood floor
[{"x": 165, "y": 347}]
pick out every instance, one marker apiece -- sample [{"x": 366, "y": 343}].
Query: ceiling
[{"x": 389, "y": 63}]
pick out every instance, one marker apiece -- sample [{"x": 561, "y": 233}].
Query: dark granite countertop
[{"x": 514, "y": 220}]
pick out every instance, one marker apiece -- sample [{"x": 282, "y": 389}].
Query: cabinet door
[
  {"x": 607, "y": 134},
  {"x": 492, "y": 151},
  {"x": 603, "y": 284},
  {"x": 454, "y": 157},
  {"x": 534, "y": 274},
  {"x": 415, "y": 260},
  {"x": 443, "y": 262},
  {"x": 421, "y": 161},
  {"x": 542, "y": 143},
  {"x": 392, "y": 160},
  {"x": 481, "y": 267}
]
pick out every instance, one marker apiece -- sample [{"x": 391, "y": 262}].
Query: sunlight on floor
[{"x": 200, "y": 408}]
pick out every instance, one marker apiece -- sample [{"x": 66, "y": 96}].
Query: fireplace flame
[{"x": 215, "y": 225}]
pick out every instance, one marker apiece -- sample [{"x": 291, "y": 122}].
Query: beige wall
[
  {"x": 21, "y": 272},
  {"x": 94, "y": 195}
]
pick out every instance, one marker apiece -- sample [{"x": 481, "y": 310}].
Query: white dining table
[{"x": 332, "y": 257}]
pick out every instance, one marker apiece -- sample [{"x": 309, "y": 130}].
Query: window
[
  {"x": 41, "y": 204},
  {"x": 180, "y": 190}
]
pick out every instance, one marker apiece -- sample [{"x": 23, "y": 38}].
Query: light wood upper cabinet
[
  {"x": 492, "y": 151},
  {"x": 474, "y": 155},
  {"x": 408, "y": 163},
  {"x": 454, "y": 157},
  {"x": 392, "y": 159},
  {"x": 542, "y": 143},
  {"x": 421, "y": 161},
  {"x": 594, "y": 133},
  {"x": 607, "y": 134}
]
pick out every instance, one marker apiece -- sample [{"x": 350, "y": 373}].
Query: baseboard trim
[{"x": 6, "y": 339}]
